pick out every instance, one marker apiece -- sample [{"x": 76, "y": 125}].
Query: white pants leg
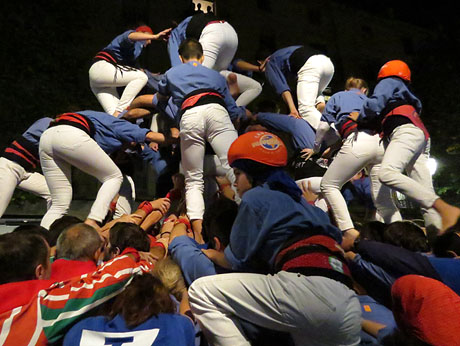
[
  {"x": 212, "y": 123},
  {"x": 249, "y": 88},
  {"x": 13, "y": 175},
  {"x": 219, "y": 41},
  {"x": 314, "y": 310},
  {"x": 358, "y": 151},
  {"x": 315, "y": 186},
  {"x": 126, "y": 198},
  {"x": 312, "y": 78},
  {"x": 104, "y": 80},
  {"x": 404, "y": 152},
  {"x": 64, "y": 146}
]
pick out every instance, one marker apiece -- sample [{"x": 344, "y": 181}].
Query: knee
[
  {"x": 257, "y": 87},
  {"x": 328, "y": 186},
  {"x": 386, "y": 174}
]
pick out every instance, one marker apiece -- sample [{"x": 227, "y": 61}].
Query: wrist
[{"x": 146, "y": 206}]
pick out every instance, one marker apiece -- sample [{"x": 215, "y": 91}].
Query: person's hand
[
  {"x": 294, "y": 113},
  {"x": 154, "y": 146},
  {"x": 148, "y": 257},
  {"x": 307, "y": 192},
  {"x": 307, "y": 153},
  {"x": 213, "y": 255},
  {"x": 354, "y": 116},
  {"x": 161, "y": 204},
  {"x": 263, "y": 65},
  {"x": 163, "y": 35},
  {"x": 222, "y": 180},
  {"x": 350, "y": 255}
]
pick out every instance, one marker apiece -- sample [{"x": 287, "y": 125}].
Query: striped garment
[{"x": 48, "y": 314}]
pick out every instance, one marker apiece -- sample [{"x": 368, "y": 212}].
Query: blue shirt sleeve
[
  {"x": 276, "y": 77},
  {"x": 175, "y": 39},
  {"x": 193, "y": 262},
  {"x": 330, "y": 111}
]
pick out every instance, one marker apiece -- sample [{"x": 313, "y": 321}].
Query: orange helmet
[
  {"x": 260, "y": 146},
  {"x": 396, "y": 68}
]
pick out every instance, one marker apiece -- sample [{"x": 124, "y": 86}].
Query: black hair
[
  {"x": 34, "y": 229},
  {"x": 448, "y": 243},
  {"x": 406, "y": 234},
  {"x": 190, "y": 49},
  {"x": 218, "y": 221},
  {"x": 60, "y": 225},
  {"x": 20, "y": 254},
  {"x": 125, "y": 234},
  {"x": 372, "y": 230}
]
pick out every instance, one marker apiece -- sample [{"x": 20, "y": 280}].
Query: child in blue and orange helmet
[
  {"x": 394, "y": 111},
  {"x": 292, "y": 252}
]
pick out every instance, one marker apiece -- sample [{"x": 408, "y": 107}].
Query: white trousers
[
  {"x": 13, "y": 175},
  {"x": 104, "y": 79},
  {"x": 315, "y": 310},
  {"x": 359, "y": 150},
  {"x": 219, "y": 41},
  {"x": 315, "y": 187},
  {"x": 64, "y": 146},
  {"x": 249, "y": 88},
  {"x": 312, "y": 78},
  {"x": 209, "y": 123},
  {"x": 408, "y": 151}
]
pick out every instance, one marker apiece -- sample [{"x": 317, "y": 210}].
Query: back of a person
[
  {"x": 189, "y": 77},
  {"x": 166, "y": 329}
]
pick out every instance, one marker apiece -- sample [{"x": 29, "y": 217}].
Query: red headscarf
[
  {"x": 428, "y": 309},
  {"x": 144, "y": 28}
]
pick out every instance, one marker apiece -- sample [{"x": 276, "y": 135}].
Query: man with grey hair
[{"x": 78, "y": 249}]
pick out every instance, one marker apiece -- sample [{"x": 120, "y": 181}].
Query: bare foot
[{"x": 232, "y": 82}]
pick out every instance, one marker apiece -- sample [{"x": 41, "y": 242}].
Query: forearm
[
  {"x": 246, "y": 66},
  {"x": 156, "y": 137},
  {"x": 288, "y": 100},
  {"x": 151, "y": 219},
  {"x": 371, "y": 327}
]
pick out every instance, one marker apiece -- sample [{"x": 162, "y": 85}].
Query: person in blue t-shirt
[
  {"x": 143, "y": 314},
  {"x": 284, "y": 282},
  {"x": 115, "y": 66}
]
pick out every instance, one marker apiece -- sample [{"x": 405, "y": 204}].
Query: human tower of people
[{"x": 253, "y": 244}]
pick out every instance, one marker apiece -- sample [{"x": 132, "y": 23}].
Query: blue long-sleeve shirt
[
  {"x": 388, "y": 93},
  {"x": 34, "y": 132},
  {"x": 111, "y": 132},
  {"x": 181, "y": 80},
  {"x": 125, "y": 50},
  {"x": 341, "y": 104},
  {"x": 178, "y": 34},
  {"x": 266, "y": 219},
  {"x": 278, "y": 69},
  {"x": 302, "y": 133}
]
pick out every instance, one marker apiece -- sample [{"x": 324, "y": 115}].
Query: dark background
[{"x": 47, "y": 47}]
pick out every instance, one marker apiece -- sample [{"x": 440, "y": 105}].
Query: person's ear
[
  {"x": 200, "y": 60},
  {"x": 452, "y": 254},
  {"x": 217, "y": 244},
  {"x": 41, "y": 272},
  {"x": 181, "y": 58}
]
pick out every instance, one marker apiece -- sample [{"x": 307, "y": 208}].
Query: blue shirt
[
  {"x": 178, "y": 34},
  {"x": 112, "y": 132},
  {"x": 278, "y": 69},
  {"x": 341, "y": 104},
  {"x": 303, "y": 135},
  {"x": 193, "y": 262},
  {"x": 266, "y": 219},
  {"x": 166, "y": 330},
  {"x": 125, "y": 50},
  {"x": 389, "y": 92},
  {"x": 181, "y": 80},
  {"x": 34, "y": 132}
]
